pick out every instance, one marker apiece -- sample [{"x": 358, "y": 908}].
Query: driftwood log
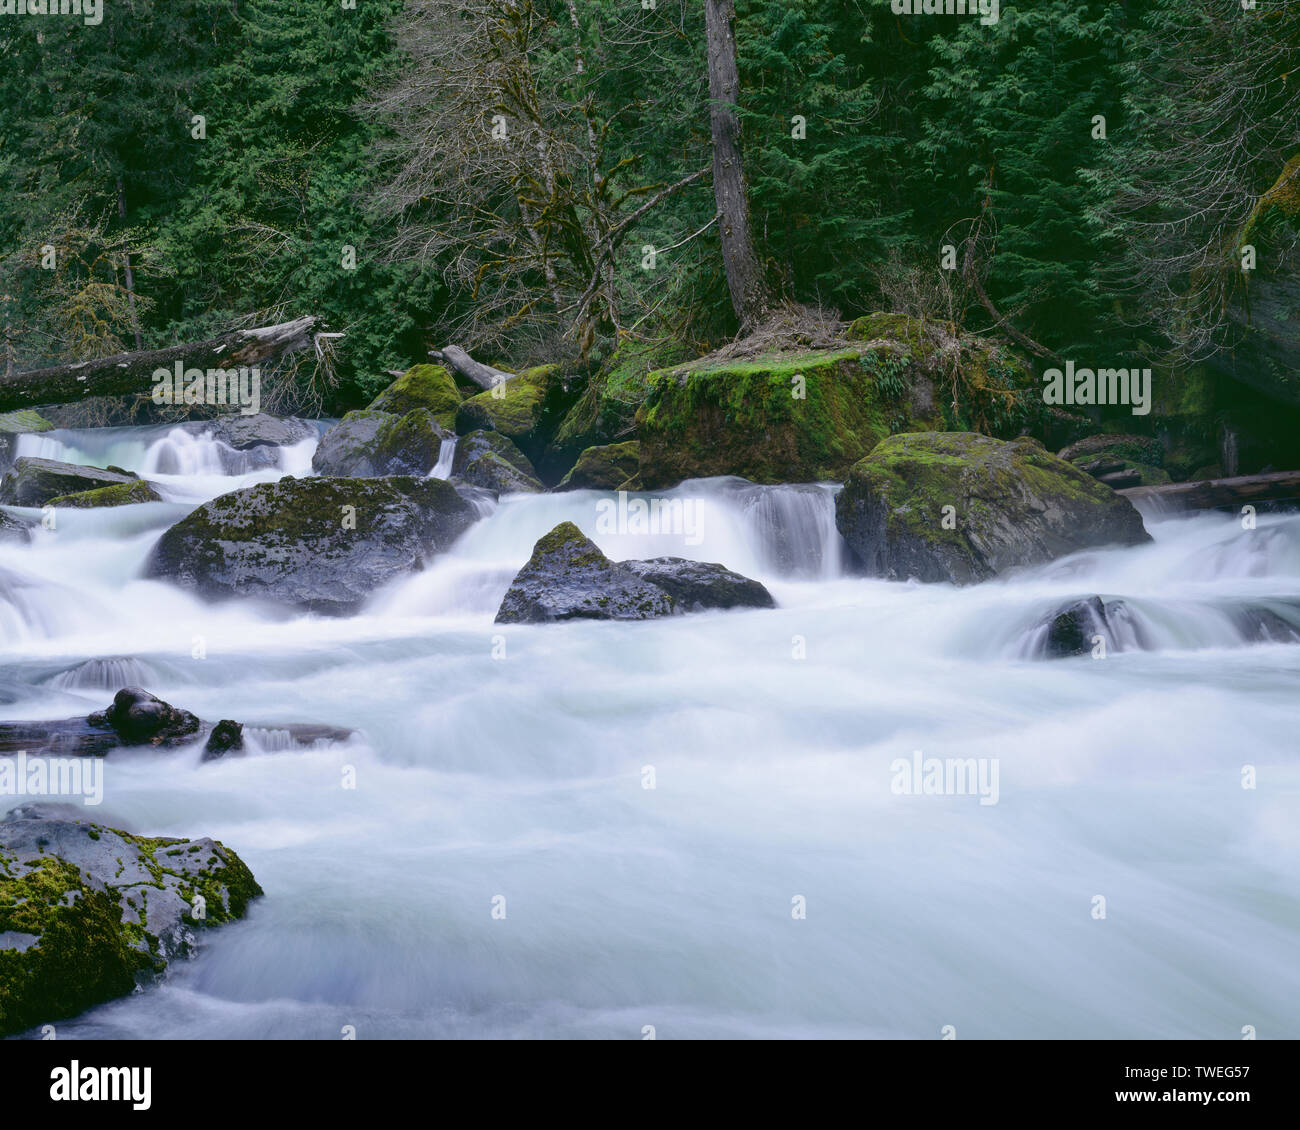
[
  {"x": 1277, "y": 486},
  {"x": 124, "y": 374},
  {"x": 458, "y": 361}
]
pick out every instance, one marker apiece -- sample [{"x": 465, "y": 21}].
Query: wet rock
[
  {"x": 697, "y": 586},
  {"x": 961, "y": 507},
  {"x": 568, "y": 578},
  {"x": 1074, "y": 628},
  {"x": 33, "y": 482},
  {"x": 611, "y": 467},
  {"x": 88, "y": 912},
  {"x": 140, "y": 718},
  {"x": 120, "y": 494},
  {"x": 13, "y": 528},
  {"x": 259, "y": 430},
  {"x": 320, "y": 544},
  {"x": 491, "y": 461},
  {"x": 428, "y": 387},
  {"x": 227, "y": 737},
  {"x": 371, "y": 444}
]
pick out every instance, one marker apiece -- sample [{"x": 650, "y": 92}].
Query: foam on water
[{"x": 510, "y": 761}]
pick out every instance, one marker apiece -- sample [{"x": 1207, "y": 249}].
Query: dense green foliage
[{"x": 346, "y": 166}]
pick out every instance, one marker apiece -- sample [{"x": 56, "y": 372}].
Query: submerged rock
[
  {"x": 88, "y": 912},
  {"x": 491, "y": 461},
  {"x": 120, "y": 494},
  {"x": 568, "y": 578},
  {"x": 137, "y": 718},
  {"x": 697, "y": 586},
  {"x": 961, "y": 507},
  {"x": 1074, "y": 628},
  {"x": 611, "y": 467},
  {"x": 13, "y": 528},
  {"x": 34, "y": 482},
  {"x": 370, "y": 444},
  {"x": 321, "y": 545}
]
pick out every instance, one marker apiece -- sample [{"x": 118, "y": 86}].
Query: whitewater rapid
[{"x": 511, "y": 762}]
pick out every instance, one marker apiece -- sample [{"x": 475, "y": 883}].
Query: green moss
[
  {"x": 119, "y": 494},
  {"x": 429, "y": 387},
  {"x": 83, "y": 957},
  {"x": 24, "y": 421},
  {"x": 604, "y": 468},
  {"x": 514, "y": 413}
]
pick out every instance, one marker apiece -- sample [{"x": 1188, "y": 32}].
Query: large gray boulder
[
  {"x": 961, "y": 507},
  {"x": 369, "y": 444},
  {"x": 318, "y": 544},
  {"x": 34, "y": 482},
  {"x": 259, "y": 430},
  {"x": 88, "y": 912}
]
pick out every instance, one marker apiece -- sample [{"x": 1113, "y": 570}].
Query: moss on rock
[
  {"x": 429, "y": 387},
  {"x": 962, "y": 507},
  {"x": 612, "y": 467},
  {"x": 121, "y": 494}
]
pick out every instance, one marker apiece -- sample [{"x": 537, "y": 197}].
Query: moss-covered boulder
[
  {"x": 526, "y": 410},
  {"x": 491, "y": 461},
  {"x": 120, "y": 494},
  {"x": 89, "y": 912},
  {"x": 810, "y": 417},
  {"x": 961, "y": 507},
  {"x": 369, "y": 444},
  {"x": 568, "y": 578},
  {"x": 428, "y": 387},
  {"x": 319, "y": 544},
  {"x": 605, "y": 413},
  {"x": 34, "y": 482},
  {"x": 14, "y": 424},
  {"x": 613, "y": 467}
]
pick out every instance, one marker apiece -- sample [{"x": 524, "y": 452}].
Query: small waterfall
[
  {"x": 446, "y": 453},
  {"x": 104, "y": 675}
]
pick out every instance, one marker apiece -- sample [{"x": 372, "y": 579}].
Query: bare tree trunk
[
  {"x": 751, "y": 296},
  {"x": 130, "y": 275},
  {"x": 125, "y": 374},
  {"x": 458, "y": 361},
  {"x": 1208, "y": 494}
]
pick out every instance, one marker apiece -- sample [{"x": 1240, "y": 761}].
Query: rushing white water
[{"x": 510, "y": 761}]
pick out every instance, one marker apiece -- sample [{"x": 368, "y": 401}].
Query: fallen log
[
  {"x": 458, "y": 361},
  {"x": 125, "y": 374},
  {"x": 1277, "y": 486}
]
